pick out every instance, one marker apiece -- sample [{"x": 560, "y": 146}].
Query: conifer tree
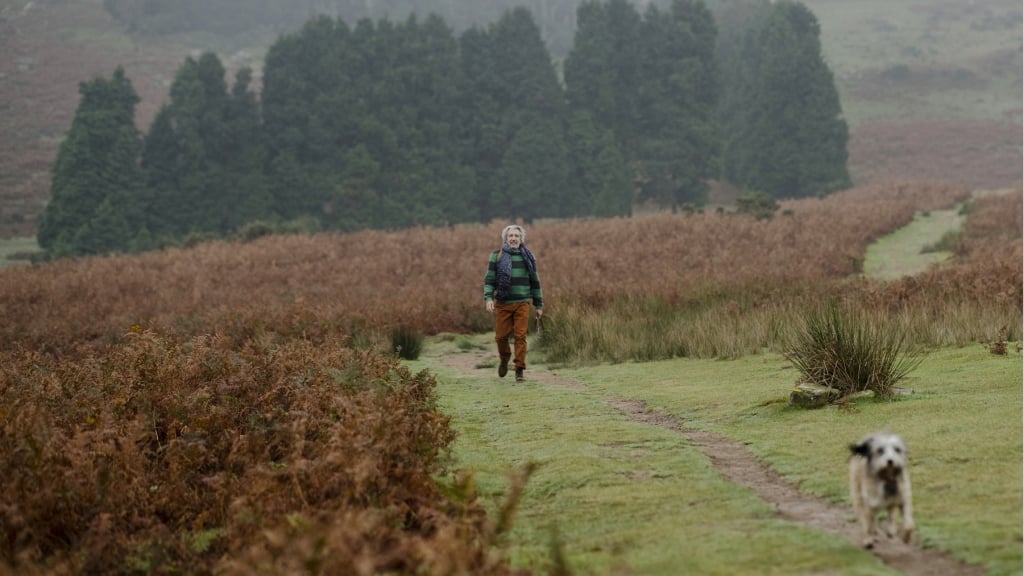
[
  {"x": 194, "y": 207},
  {"x": 204, "y": 154},
  {"x": 247, "y": 197},
  {"x": 363, "y": 125},
  {"x": 787, "y": 136},
  {"x": 355, "y": 194},
  {"x": 603, "y": 184},
  {"x": 534, "y": 172},
  {"x": 677, "y": 151},
  {"x": 653, "y": 82},
  {"x": 602, "y": 69},
  {"x": 524, "y": 66},
  {"x": 107, "y": 231},
  {"x": 307, "y": 114},
  {"x": 426, "y": 182},
  {"x": 160, "y": 157},
  {"x": 522, "y": 94},
  {"x": 97, "y": 180},
  {"x": 480, "y": 129},
  {"x": 320, "y": 88},
  {"x": 612, "y": 181}
]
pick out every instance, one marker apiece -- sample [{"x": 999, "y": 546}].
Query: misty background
[{"x": 929, "y": 89}]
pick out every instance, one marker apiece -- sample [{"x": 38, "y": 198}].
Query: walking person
[{"x": 510, "y": 287}]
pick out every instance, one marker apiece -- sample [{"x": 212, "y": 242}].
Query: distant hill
[{"x": 932, "y": 90}]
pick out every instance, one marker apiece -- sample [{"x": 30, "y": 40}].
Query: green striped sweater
[{"x": 524, "y": 287}]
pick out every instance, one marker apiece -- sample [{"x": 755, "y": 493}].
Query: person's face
[{"x": 514, "y": 238}]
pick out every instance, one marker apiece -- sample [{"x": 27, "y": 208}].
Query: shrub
[
  {"x": 758, "y": 204},
  {"x": 254, "y": 230},
  {"x": 407, "y": 342},
  {"x": 195, "y": 238},
  {"x": 948, "y": 243},
  {"x": 851, "y": 351},
  {"x": 305, "y": 225}
]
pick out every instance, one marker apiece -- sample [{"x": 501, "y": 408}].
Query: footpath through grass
[
  {"x": 902, "y": 252},
  {"x": 628, "y": 497}
]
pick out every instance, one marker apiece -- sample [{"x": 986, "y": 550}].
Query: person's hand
[
  {"x": 489, "y": 305},
  {"x": 539, "y": 313}
]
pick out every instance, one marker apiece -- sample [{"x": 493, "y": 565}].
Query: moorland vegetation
[{"x": 237, "y": 406}]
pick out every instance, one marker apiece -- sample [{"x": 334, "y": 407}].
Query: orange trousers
[{"x": 514, "y": 320}]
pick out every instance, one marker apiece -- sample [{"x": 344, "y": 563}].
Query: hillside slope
[{"x": 932, "y": 90}]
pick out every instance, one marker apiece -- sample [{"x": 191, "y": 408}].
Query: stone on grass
[{"x": 808, "y": 395}]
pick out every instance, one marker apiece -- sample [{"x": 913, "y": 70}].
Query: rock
[
  {"x": 862, "y": 395},
  {"x": 808, "y": 395}
]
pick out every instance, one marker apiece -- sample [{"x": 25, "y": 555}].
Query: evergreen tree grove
[
  {"x": 389, "y": 125},
  {"x": 204, "y": 155},
  {"x": 652, "y": 81}
]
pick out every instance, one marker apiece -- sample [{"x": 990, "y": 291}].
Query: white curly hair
[{"x": 504, "y": 233}]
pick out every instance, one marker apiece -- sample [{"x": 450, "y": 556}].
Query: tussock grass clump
[
  {"x": 407, "y": 342},
  {"x": 852, "y": 352},
  {"x": 948, "y": 243},
  {"x": 728, "y": 325}
]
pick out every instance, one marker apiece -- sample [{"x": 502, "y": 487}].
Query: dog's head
[{"x": 886, "y": 454}]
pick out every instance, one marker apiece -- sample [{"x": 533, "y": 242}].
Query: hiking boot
[
  {"x": 519, "y": 375},
  {"x": 503, "y": 368}
]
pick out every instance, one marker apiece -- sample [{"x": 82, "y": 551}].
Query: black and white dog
[{"x": 879, "y": 481}]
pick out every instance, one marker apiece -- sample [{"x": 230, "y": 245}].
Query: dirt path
[{"x": 734, "y": 462}]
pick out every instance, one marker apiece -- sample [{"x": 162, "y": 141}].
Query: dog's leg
[
  {"x": 861, "y": 509},
  {"x": 890, "y": 519},
  {"x": 870, "y": 526},
  {"x": 907, "y": 509}
]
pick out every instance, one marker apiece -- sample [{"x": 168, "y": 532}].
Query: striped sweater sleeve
[{"x": 491, "y": 278}]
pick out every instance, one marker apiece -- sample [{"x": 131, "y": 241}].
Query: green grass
[
  {"x": 962, "y": 425},
  {"x": 630, "y": 495},
  {"x": 903, "y": 253},
  {"x": 14, "y": 250}
]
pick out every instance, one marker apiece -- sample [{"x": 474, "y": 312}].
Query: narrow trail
[
  {"x": 739, "y": 466},
  {"x": 904, "y": 252}
]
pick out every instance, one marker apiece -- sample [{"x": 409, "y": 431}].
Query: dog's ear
[{"x": 863, "y": 449}]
